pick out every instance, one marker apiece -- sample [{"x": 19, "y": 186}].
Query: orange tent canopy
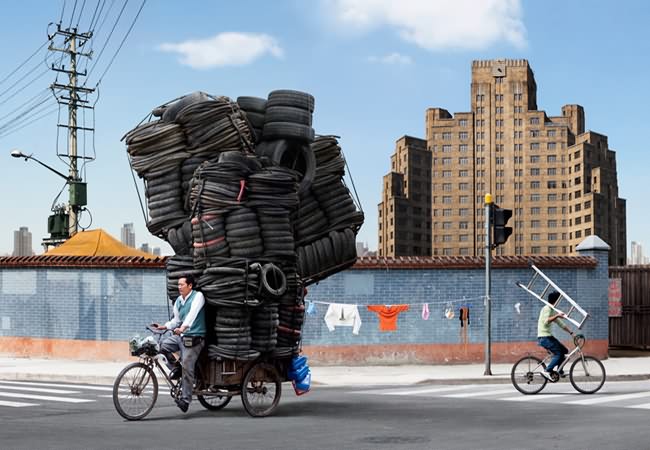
[{"x": 96, "y": 243}]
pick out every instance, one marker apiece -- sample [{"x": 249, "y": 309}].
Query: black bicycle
[{"x": 135, "y": 390}]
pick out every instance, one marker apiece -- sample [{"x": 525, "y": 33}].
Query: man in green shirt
[{"x": 545, "y": 337}]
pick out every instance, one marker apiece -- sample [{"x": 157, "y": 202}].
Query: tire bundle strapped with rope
[{"x": 253, "y": 204}]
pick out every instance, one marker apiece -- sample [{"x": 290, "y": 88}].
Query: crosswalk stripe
[
  {"x": 70, "y": 386},
  {"x": 533, "y": 398},
  {"x": 45, "y": 397},
  {"x": 642, "y": 406},
  {"x": 16, "y": 404},
  {"x": 479, "y": 393},
  {"x": 35, "y": 389},
  {"x": 425, "y": 391},
  {"x": 609, "y": 398}
]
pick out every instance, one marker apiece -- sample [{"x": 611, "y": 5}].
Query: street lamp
[{"x": 61, "y": 225}]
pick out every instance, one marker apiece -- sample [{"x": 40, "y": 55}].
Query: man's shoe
[
  {"x": 549, "y": 376},
  {"x": 562, "y": 374},
  {"x": 176, "y": 373},
  {"x": 182, "y": 405}
]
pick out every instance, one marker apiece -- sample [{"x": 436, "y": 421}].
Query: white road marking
[
  {"x": 16, "y": 404},
  {"x": 532, "y": 398},
  {"x": 71, "y": 386},
  {"x": 35, "y": 389},
  {"x": 608, "y": 398},
  {"x": 45, "y": 397},
  {"x": 421, "y": 391},
  {"x": 479, "y": 393},
  {"x": 642, "y": 406}
]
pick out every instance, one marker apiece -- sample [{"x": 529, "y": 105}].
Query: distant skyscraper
[
  {"x": 23, "y": 242},
  {"x": 128, "y": 235},
  {"x": 145, "y": 247},
  {"x": 156, "y": 251},
  {"x": 636, "y": 256}
]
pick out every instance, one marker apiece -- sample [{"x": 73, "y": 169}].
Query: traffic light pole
[{"x": 488, "y": 282}]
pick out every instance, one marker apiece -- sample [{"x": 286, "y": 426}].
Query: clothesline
[{"x": 445, "y": 302}]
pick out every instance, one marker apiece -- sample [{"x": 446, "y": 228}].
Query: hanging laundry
[
  {"x": 518, "y": 307},
  {"x": 463, "y": 315},
  {"x": 311, "y": 308},
  {"x": 388, "y": 315},
  {"x": 425, "y": 311},
  {"x": 343, "y": 315},
  {"x": 449, "y": 311}
]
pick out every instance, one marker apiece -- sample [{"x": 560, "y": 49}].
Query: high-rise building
[
  {"x": 128, "y": 235},
  {"x": 23, "y": 242},
  {"x": 636, "y": 256},
  {"x": 156, "y": 251},
  {"x": 559, "y": 180},
  {"x": 145, "y": 247}
]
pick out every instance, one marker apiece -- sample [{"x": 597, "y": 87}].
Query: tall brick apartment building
[{"x": 559, "y": 180}]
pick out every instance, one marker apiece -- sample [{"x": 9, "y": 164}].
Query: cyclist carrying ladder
[{"x": 546, "y": 339}]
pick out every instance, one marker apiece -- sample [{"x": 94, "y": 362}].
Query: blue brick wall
[
  {"x": 114, "y": 304},
  {"x": 87, "y": 304}
]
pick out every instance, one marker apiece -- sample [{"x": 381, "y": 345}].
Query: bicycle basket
[{"x": 143, "y": 346}]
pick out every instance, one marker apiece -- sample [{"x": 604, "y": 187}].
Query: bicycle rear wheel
[
  {"x": 135, "y": 391},
  {"x": 587, "y": 374},
  {"x": 526, "y": 375}
]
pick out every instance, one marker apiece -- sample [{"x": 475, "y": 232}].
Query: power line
[
  {"x": 72, "y": 15},
  {"x": 62, "y": 11},
  {"x": 41, "y": 95},
  {"x": 107, "y": 40},
  {"x": 7, "y": 133},
  {"x": 81, "y": 11},
  {"x": 22, "y": 88},
  {"x": 122, "y": 43},
  {"x": 26, "y": 114},
  {"x": 24, "y": 62}
]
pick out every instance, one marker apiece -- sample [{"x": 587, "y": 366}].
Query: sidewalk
[{"x": 617, "y": 369}]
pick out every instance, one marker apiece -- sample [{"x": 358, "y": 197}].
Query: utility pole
[{"x": 72, "y": 41}]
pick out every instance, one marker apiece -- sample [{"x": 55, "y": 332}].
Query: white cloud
[
  {"x": 438, "y": 24},
  {"x": 392, "y": 58},
  {"x": 224, "y": 49}
]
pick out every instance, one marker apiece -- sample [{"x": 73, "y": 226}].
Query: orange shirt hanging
[{"x": 388, "y": 315}]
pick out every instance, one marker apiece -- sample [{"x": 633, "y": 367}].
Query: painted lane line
[
  {"x": 415, "y": 391},
  {"x": 70, "y": 386},
  {"x": 642, "y": 406},
  {"x": 34, "y": 389},
  {"x": 16, "y": 404},
  {"x": 608, "y": 398},
  {"x": 532, "y": 398},
  {"x": 479, "y": 393},
  {"x": 44, "y": 397}
]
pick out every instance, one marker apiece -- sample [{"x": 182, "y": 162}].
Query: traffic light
[{"x": 500, "y": 232}]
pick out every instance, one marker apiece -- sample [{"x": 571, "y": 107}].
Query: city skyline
[{"x": 405, "y": 59}]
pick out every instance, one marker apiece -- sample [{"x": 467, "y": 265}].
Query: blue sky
[{"x": 374, "y": 66}]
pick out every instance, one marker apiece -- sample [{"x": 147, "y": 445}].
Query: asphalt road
[{"x": 59, "y": 416}]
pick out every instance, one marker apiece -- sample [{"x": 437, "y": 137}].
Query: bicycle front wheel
[
  {"x": 135, "y": 391},
  {"x": 526, "y": 375},
  {"x": 587, "y": 374}
]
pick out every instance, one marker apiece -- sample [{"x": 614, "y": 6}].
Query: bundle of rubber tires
[{"x": 253, "y": 204}]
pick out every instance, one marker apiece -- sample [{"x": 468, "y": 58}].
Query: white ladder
[{"x": 575, "y": 314}]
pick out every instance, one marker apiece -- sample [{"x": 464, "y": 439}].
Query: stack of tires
[{"x": 253, "y": 205}]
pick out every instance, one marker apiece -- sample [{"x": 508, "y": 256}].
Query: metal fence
[{"x": 632, "y": 328}]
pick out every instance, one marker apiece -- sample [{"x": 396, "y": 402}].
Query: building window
[
  {"x": 446, "y": 199},
  {"x": 462, "y": 122},
  {"x": 446, "y": 161},
  {"x": 499, "y": 160},
  {"x": 463, "y": 161},
  {"x": 534, "y": 133},
  {"x": 534, "y": 145},
  {"x": 578, "y": 234},
  {"x": 552, "y": 224},
  {"x": 535, "y": 197},
  {"x": 446, "y": 174},
  {"x": 535, "y": 223},
  {"x": 446, "y": 225},
  {"x": 551, "y": 197},
  {"x": 535, "y": 211},
  {"x": 446, "y": 136},
  {"x": 534, "y": 158},
  {"x": 446, "y": 149},
  {"x": 446, "y": 212},
  {"x": 552, "y": 184},
  {"x": 446, "y": 238},
  {"x": 550, "y": 146},
  {"x": 551, "y": 158},
  {"x": 480, "y": 134},
  {"x": 534, "y": 237},
  {"x": 463, "y": 199},
  {"x": 534, "y": 171},
  {"x": 534, "y": 184},
  {"x": 462, "y": 148},
  {"x": 535, "y": 250},
  {"x": 534, "y": 120},
  {"x": 551, "y": 171},
  {"x": 552, "y": 210},
  {"x": 550, "y": 133},
  {"x": 463, "y": 212},
  {"x": 463, "y": 238},
  {"x": 463, "y": 186},
  {"x": 463, "y": 135}
]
